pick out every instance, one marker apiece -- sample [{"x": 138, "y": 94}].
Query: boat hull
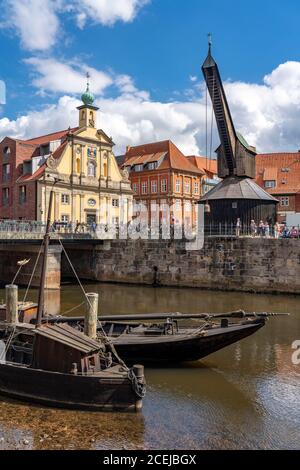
[
  {"x": 95, "y": 393},
  {"x": 181, "y": 348}
]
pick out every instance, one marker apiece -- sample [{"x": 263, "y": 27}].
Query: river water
[{"x": 246, "y": 396}]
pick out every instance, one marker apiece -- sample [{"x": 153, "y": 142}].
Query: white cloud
[
  {"x": 106, "y": 12},
  {"x": 35, "y": 21},
  {"x": 267, "y": 114},
  {"x": 58, "y": 77}
]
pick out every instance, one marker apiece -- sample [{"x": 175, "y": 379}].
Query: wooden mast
[{"x": 41, "y": 300}]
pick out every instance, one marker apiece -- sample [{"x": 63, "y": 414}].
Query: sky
[{"x": 144, "y": 58}]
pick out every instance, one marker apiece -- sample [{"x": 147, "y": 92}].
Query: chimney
[{"x": 127, "y": 148}]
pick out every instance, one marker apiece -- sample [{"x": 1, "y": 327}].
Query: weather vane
[{"x": 209, "y": 40}]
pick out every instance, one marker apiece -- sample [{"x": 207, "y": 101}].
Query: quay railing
[{"x": 265, "y": 231}]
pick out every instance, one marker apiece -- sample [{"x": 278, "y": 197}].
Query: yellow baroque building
[{"x": 79, "y": 164}]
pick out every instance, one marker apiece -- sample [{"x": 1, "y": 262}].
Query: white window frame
[
  {"x": 66, "y": 217},
  {"x": 187, "y": 187},
  {"x": 196, "y": 187},
  {"x": 270, "y": 184},
  {"x": 65, "y": 199},
  {"x": 139, "y": 167},
  {"x": 152, "y": 166},
  {"x": 177, "y": 186},
  {"x": 135, "y": 188},
  {"x": 154, "y": 186},
  {"x": 144, "y": 187},
  {"x": 284, "y": 201},
  {"x": 163, "y": 185}
]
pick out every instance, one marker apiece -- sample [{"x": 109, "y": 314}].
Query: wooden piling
[
  {"x": 12, "y": 311},
  {"x": 91, "y": 317}
]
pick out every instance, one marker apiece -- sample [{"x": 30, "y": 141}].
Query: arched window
[
  {"x": 77, "y": 165},
  {"x": 91, "y": 169}
]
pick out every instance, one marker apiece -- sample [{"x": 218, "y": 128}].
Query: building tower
[{"x": 87, "y": 112}]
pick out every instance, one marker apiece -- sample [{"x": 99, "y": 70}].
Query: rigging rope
[
  {"x": 32, "y": 274},
  {"x": 81, "y": 286}
]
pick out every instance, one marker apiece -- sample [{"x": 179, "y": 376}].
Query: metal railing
[{"x": 264, "y": 231}]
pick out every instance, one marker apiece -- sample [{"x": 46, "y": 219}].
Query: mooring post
[
  {"x": 91, "y": 317},
  {"x": 12, "y": 311}
]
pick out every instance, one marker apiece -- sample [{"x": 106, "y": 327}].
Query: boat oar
[{"x": 165, "y": 316}]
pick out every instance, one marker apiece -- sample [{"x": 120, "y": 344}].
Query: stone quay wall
[
  {"x": 237, "y": 264},
  {"x": 11, "y": 253}
]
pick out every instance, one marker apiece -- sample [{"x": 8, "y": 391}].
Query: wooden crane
[{"x": 235, "y": 156}]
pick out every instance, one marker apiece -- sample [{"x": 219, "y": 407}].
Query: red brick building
[
  {"x": 279, "y": 175},
  {"x": 161, "y": 173},
  {"x": 18, "y": 187}
]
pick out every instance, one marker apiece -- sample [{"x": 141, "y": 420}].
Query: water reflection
[{"x": 244, "y": 396}]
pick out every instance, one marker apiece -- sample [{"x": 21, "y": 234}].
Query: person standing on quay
[
  {"x": 238, "y": 227},
  {"x": 253, "y": 228},
  {"x": 267, "y": 230}
]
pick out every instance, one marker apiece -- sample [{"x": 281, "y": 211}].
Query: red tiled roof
[
  {"x": 284, "y": 168},
  {"x": 174, "y": 158},
  {"x": 56, "y": 154},
  {"x": 43, "y": 139},
  {"x": 33, "y": 177},
  {"x": 270, "y": 174},
  {"x": 153, "y": 157},
  {"x": 205, "y": 164}
]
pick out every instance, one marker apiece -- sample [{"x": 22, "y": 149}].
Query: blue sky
[{"x": 158, "y": 45}]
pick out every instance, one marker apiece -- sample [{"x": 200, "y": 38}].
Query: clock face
[{"x": 91, "y": 202}]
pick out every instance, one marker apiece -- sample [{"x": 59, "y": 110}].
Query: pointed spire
[{"x": 209, "y": 61}]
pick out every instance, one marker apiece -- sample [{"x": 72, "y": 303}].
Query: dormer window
[
  {"x": 152, "y": 165},
  {"x": 270, "y": 184},
  {"x": 139, "y": 167}
]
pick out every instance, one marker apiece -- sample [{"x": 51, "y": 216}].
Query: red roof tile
[
  {"x": 174, "y": 158},
  {"x": 284, "y": 168},
  {"x": 33, "y": 177},
  {"x": 206, "y": 164},
  {"x": 43, "y": 139}
]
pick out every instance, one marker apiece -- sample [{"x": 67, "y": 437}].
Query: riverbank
[{"x": 244, "y": 396}]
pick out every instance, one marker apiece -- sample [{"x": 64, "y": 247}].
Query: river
[{"x": 246, "y": 396}]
